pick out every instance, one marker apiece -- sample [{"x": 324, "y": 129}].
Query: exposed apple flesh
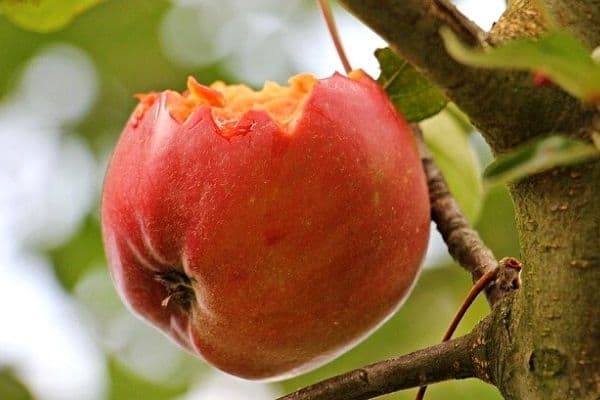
[{"x": 267, "y": 232}]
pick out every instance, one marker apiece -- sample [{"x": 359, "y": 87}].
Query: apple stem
[{"x": 333, "y": 32}]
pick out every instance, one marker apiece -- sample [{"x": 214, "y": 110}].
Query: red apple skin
[{"x": 298, "y": 244}]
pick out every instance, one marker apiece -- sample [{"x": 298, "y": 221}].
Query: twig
[
  {"x": 456, "y": 359},
  {"x": 506, "y": 264},
  {"x": 506, "y": 275},
  {"x": 464, "y": 243},
  {"x": 333, "y": 33}
]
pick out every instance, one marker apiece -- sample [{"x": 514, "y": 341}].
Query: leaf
[
  {"x": 537, "y": 157},
  {"x": 44, "y": 15},
  {"x": 447, "y": 137},
  {"x": 411, "y": 93},
  {"x": 557, "y": 55}
]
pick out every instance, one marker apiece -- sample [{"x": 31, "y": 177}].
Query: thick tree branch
[
  {"x": 488, "y": 96},
  {"x": 464, "y": 357}
]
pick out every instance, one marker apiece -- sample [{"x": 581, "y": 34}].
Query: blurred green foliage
[
  {"x": 44, "y": 15},
  {"x": 121, "y": 37},
  {"x": 80, "y": 254},
  {"x": 125, "y": 384},
  {"x": 11, "y": 388}
]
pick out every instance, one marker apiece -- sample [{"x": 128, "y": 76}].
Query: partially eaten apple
[{"x": 266, "y": 231}]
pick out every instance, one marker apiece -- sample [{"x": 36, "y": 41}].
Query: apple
[{"x": 266, "y": 231}]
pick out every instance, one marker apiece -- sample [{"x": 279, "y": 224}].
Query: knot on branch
[{"x": 508, "y": 276}]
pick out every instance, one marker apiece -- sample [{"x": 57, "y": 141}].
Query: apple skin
[{"x": 284, "y": 249}]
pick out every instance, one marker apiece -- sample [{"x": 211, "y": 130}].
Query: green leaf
[
  {"x": 447, "y": 137},
  {"x": 558, "y": 55},
  {"x": 44, "y": 15},
  {"x": 537, "y": 157},
  {"x": 412, "y": 95}
]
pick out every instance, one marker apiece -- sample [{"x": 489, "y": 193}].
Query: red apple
[{"x": 267, "y": 232}]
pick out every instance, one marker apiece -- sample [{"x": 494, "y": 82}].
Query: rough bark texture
[
  {"x": 554, "y": 323},
  {"x": 555, "y": 320},
  {"x": 546, "y": 339}
]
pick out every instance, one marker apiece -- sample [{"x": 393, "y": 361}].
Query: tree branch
[
  {"x": 464, "y": 357},
  {"x": 487, "y": 96},
  {"x": 464, "y": 243},
  {"x": 531, "y": 17},
  {"x": 506, "y": 264}
]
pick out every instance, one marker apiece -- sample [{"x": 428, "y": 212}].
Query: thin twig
[
  {"x": 449, "y": 360},
  {"x": 464, "y": 243},
  {"x": 471, "y": 296},
  {"x": 333, "y": 32},
  {"x": 489, "y": 277}
]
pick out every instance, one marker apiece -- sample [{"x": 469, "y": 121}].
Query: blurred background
[{"x": 64, "y": 97}]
